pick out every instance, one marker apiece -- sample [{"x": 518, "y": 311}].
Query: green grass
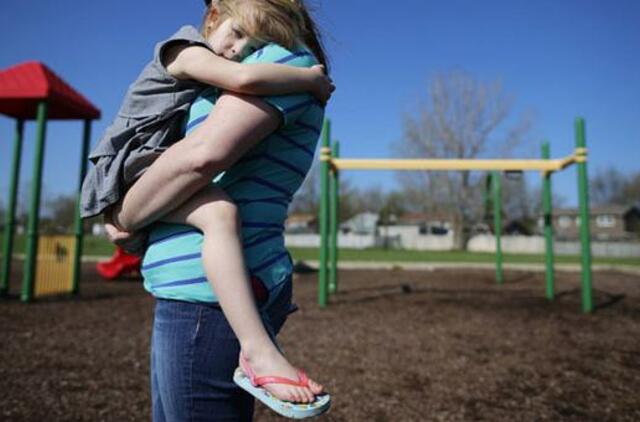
[
  {"x": 18, "y": 244},
  {"x": 99, "y": 246},
  {"x": 93, "y": 245}
]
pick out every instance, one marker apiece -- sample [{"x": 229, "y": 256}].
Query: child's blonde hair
[{"x": 283, "y": 22}]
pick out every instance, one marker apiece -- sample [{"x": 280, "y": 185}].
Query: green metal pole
[
  {"x": 585, "y": 218},
  {"x": 487, "y": 198},
  {"x": 10, "y": 222},
  {"x": 547, "y": 210},
  {"x": 497, "y": 223},
  {"x": 36, "y": 186},
  {"x": 79, "y": 231},
  {"x": 333, "y": 250},
  {"x": 325, "y": 156}
]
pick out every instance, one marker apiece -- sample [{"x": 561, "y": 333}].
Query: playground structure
[
  {"x": 332, "y": 164},
  {"x": 31, "y": 91}
]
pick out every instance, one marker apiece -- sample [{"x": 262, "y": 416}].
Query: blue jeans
[{"x": 194, "y": 353}]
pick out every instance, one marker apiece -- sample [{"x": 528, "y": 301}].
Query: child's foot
[{"x": 272, "y": 363}]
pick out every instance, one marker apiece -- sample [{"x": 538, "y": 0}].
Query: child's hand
[
  {"x": 322, "y": 85},
  {"x": 132, "y": 242}
]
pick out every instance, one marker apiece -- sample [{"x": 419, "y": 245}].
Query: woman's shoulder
[{"x": 299, "y": 55}]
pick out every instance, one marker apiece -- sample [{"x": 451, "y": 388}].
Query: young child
[{"x": 151, "y": 119}]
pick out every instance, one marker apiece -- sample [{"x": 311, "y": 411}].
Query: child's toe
[
  {"x": 315, "y": 387},
  {"x": 302, "y": 393},
  {"x": 309, "y": 395}
]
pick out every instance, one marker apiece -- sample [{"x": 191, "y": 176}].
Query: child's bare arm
[
  {"x": 200, "y": 64},
  {"x": 234, "y": 126}
]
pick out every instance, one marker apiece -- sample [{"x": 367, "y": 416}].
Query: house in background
[
  {"x": 301, "y": 223},
  {"x": 422, "y": 231},
  {"x": 436, "y": 223},
  {"x": 607, "y": 223},
  {"x": 363, "y": 223},
  {"x": 517, "y": 228}
]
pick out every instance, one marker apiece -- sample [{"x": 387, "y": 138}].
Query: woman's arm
[
  {"x": 200, "y": 64},
  {"x": 235, "y": 125}
]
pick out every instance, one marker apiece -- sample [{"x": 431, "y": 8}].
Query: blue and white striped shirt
[{"x": 261, "y": 184}]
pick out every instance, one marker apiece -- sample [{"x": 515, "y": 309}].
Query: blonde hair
[{"x": 284, "y": 22}]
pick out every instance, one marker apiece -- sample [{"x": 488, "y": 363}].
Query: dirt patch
[{"x": 392, "y": 346}]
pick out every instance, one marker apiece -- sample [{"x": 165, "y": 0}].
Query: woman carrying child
[{"x": 259, "y": 149}]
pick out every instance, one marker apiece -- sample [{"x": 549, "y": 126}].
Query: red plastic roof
[{"x": 24, "y": 85}]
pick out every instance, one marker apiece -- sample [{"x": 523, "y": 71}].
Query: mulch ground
[{"x": 392, "y": 346}]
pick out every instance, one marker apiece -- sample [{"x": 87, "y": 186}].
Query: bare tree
[
  {"x": 370, "y": 199},
  {"x": 632, "y": 189},
  {"x": 516, "y": 198},
  {"x": 395, "y": 204},
  {"x": 463, "y": 118},
  {"x": 352, "y": 200},
  {"x": 60, "y": 214},
  {"x": 609, "y": 186}
]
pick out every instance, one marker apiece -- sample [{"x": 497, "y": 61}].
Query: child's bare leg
[{"x": 211, "y": 211}]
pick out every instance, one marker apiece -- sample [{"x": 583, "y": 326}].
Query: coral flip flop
[{"x": 247, "y": 380}]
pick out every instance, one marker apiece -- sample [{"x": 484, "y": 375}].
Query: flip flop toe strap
[{"x": 303, "y": 380}]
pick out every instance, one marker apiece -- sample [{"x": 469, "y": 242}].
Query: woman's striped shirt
[{"x": 261, "y": 184}]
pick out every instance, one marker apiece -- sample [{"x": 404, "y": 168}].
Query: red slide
[{"x": 121, "y": 263}]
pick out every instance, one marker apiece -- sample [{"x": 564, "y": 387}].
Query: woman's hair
[{"x": 283, "y": 22}]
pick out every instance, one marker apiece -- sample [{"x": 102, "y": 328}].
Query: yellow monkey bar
[{"x": 544, "y": 166}]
